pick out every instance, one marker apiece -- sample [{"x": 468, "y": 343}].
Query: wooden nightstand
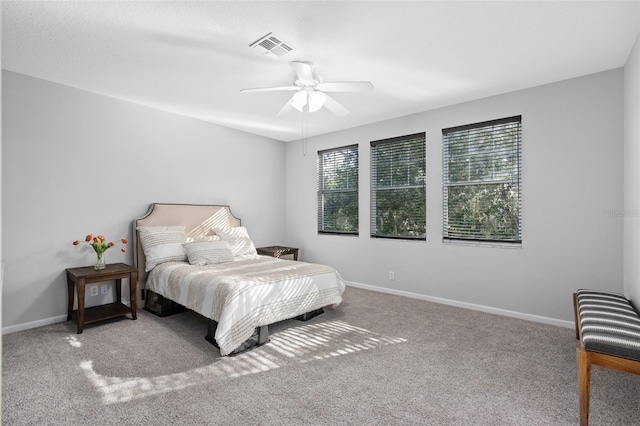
[
  {"x": 87, "y": 275},
  {"x": 277, "y": 251}
]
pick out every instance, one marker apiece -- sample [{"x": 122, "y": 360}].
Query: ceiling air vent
[{"x": 272, "y": 45}]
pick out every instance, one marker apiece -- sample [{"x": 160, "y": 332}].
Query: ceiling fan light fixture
[
  {"x": 316, "y": 101},
  {"x": 299, "y": 100}
]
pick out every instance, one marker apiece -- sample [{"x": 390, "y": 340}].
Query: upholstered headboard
[{"x": 198, "y": 219}]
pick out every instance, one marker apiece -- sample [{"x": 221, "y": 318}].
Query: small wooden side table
[
  {"x": 277, "y": 251},
  {"x": 87, "y": 275}
]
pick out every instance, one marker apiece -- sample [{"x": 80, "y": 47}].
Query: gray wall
[
  {"x": 75, "y": 162},
  {"x": 572, "y": 191},
  {"x": 632, "y": 174}
]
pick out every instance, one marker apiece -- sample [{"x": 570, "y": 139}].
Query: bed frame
[{"x": 198, "y": 220}]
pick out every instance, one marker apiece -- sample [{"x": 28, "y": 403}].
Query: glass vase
[{"x": 100, "y": 262}]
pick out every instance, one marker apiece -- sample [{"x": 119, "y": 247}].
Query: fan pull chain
[{"x": 305, "y": 125}]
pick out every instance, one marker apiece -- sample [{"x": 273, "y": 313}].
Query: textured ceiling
[{"x": 192, "y": 58}]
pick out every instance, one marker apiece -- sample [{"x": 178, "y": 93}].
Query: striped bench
[{"x": 608, "y": 327}]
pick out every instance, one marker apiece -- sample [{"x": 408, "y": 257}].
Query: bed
[{"x": 199, "y": 257}]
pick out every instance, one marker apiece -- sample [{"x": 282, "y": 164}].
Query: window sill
[{"x": 491, "y": 244}]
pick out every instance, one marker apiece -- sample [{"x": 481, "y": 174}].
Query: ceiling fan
[{"x": 310, "y": 93}]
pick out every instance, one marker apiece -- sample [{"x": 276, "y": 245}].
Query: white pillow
[
  {"x": 162, "y": 244},
  {"x": 208, "y": 252},
  {"x": 238, "y": 240},
  {"x": 204, "y": 238}
]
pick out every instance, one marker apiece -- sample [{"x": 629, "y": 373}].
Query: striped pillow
[
  {"x": 238, "y": 239},
  {"x": 202, "y": 253},
  {"x": 162, "y": 244},
  {"x": 205, "y": 238}
]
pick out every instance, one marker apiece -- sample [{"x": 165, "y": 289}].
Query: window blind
[
  {"x": 482, "y": 191},
  {"x": 398, "y": 191},
  {"x": 338, "y": 190}
]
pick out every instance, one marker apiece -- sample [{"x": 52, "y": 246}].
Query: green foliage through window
[
  {"x": 338, "y": 190},
  {"x": 398, "y": 192},
  {"x": 481, "y": 181}
]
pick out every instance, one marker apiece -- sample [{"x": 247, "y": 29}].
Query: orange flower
[{"x": 99, "y": 243}]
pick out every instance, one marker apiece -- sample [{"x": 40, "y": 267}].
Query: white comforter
[{"x": 247, "y": 293}]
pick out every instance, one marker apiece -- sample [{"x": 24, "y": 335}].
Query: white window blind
[
  {"x": 338, "y": 190},
  {"x": 398, "y": 191},
  {"x": 482, "y": 191}
]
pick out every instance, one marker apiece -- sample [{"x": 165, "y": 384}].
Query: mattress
[{"x": 249, "y": 292}]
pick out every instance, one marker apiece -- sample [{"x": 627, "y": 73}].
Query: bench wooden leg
[
  {"x": 575, "y": 315},
  {"x": 584, "y": 383}
]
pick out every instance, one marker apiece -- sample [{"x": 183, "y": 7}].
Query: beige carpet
[{"x": 377, "y": 359}]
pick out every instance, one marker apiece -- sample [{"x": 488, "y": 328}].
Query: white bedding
[{"x": 249, "y": 292}]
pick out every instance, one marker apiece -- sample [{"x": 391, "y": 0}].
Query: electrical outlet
[
  {"x": 104, "y": 289},
  {"x": 94, "y": 290},
  {"x": 392, "y": 276}
]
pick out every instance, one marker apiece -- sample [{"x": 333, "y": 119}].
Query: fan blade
[
  {"x": 303, "y": 71},
  {"x": 286, "y": 109},
  {"x": 346, "y": 86},
  {"x": 270, "y": 89},
  {"x": 333, "y": 106}
]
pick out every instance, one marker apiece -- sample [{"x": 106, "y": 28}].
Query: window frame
[
  {"x": 515, "y": 180},
  {"x": 322, "y": 191},
  {"x": 420, "y": 137}
]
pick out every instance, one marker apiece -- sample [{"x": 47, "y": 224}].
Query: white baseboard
[
  {"x": 488, "y": 309},
  {"x": 33, "y": 324},
  {"x": 47, "y": 321}
]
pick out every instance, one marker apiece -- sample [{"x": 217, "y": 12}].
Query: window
[
  {"x": 338, "y": 190},
  {"x": 482, "y": 182},
  {"x": 398, "y": 192}
]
